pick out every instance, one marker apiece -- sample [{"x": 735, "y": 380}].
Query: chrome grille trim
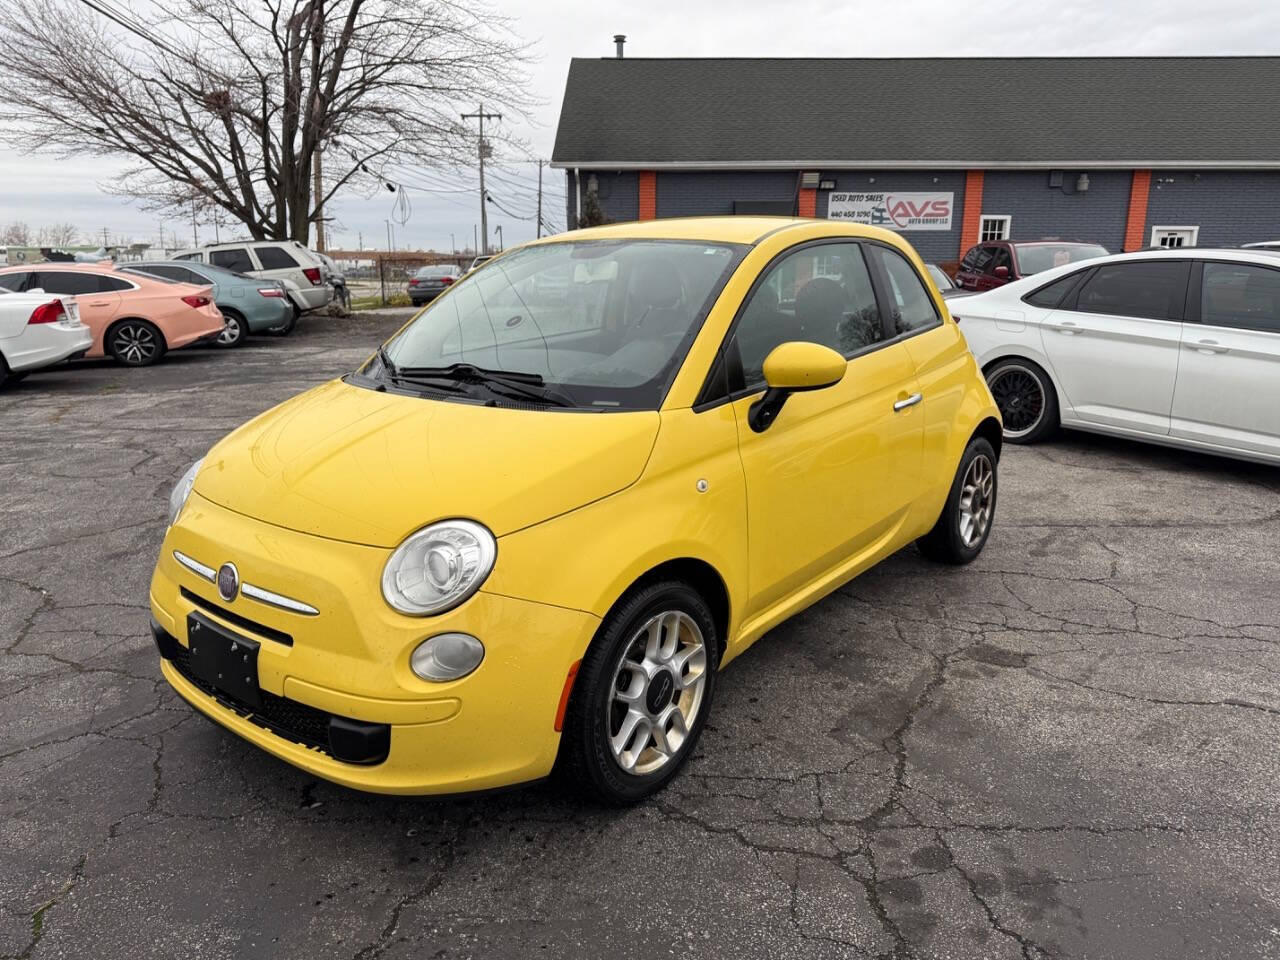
[{"x": 260, "y": 594}]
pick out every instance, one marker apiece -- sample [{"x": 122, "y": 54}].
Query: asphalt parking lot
[{"x": 1067, "y": 749}]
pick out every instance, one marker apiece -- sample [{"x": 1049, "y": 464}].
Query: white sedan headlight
[
  {"x": 182, "y": 490},
  {"x": 438, "y": 567}
]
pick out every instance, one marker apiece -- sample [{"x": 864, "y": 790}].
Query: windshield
[
  {"x": 601, "y": 324},
  {"x": 1032, "y": 258}
]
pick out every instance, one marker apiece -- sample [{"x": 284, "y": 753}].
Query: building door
[
  {"x": 1228, "y": 389},
  {"x": 1174, "y": 236},
  {"x": 1114, "y": 344}
]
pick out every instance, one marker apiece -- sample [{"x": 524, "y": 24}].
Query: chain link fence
[{"x": 382, "y": 280}]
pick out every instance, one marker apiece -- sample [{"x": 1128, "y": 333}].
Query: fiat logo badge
[{"x": 228, "y": 581}]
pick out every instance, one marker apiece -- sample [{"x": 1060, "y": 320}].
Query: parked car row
[{"x": 137, "y": 312}]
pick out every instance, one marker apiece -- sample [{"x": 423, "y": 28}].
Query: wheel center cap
[{"x": 661, "y": 687}]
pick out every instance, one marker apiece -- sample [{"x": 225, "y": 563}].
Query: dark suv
[{"x": 997, "y": 262}]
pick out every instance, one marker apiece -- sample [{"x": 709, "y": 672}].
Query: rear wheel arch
[
  {"x": 992, "y": 432},
  {"x": 1054, "y": 400}
]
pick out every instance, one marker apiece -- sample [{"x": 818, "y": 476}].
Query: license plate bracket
[{"x": 225, "y": 660}]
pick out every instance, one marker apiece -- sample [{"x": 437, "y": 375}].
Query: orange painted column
[
  {"x": 970, "y": 220},
  {"x": 807, "y": 206},
  {"x": 648, "y": 195},
  {"x": 1135, "y": 227}
]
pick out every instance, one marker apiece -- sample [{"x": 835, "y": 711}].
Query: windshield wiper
[
  {"x": 513, "y": 384},
  {"x": 410, "y": 376}
]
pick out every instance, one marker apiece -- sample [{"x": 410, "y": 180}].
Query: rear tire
[
  {"x": 642, "y": 694},
  {"x": 7, "y": 376},
  {"x": 234, "y": 332},
  {"x": 135, "y": 343},
  {"x": 965, "y": 524},
  {"x": 288, "y": 326},
  {"x": 1026, "y": 397}
]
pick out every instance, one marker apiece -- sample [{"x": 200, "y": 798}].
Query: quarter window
[
  {"x": 14, "y": 281},
  {"x": 1154, "y": 289},
  {"x": 911, "y": 307},
  {"x": 822, "y": 294},
  {"x": 1240, "y": 295},
  {"x": 276, "y": 258},
  {"x": 237, "y": 259},
  {"x": 1051, "y": 294}
]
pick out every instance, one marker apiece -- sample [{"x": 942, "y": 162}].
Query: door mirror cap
[
  {"x": 794, "y": 367},
  {"x": 799, "y": 365},
  {"x": 1002, "y": 273}
]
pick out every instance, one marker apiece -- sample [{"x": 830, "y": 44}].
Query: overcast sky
[{"x": 38, "y": 191}]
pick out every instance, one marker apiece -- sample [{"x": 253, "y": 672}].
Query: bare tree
[
  {"x": 17, "y": 233},
  {"x": 58, "y": 235},
  {"x": 227, "y": 103}
]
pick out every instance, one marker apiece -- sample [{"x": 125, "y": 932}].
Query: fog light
[{"x": 447, "y": 656}]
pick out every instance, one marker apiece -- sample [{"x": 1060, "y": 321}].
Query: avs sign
[{"x": 893, "y": 211}]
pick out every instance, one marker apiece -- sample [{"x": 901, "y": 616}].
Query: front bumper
[{"x": 493, "y": 728}]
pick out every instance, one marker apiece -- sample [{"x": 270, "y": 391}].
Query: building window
[
  {"x": 994, "y": 228},
  {"x": 1174, "y": 236}
]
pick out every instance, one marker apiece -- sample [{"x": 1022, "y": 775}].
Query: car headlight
[
  {"x": 438, "y": 567},
  {"x": 182, "y": 490}
]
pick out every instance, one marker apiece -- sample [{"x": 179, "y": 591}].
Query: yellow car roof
[{"x": 735, "y": 229}]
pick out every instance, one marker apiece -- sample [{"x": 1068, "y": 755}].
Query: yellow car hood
[{"x": 366, "y": 467}]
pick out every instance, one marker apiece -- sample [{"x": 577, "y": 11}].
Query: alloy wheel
[
  {"x": 976, "y": 496},
  {"x": 1020, "y": 396},
  {"x": 658, "y": 690},
  {"x": 134, "y": 343}
]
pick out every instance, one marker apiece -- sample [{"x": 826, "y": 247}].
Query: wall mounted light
[
  {"x": 593, "y": 184},
  {"x": 1082, "y": 183},
  {"x": 871, "y": 179}
]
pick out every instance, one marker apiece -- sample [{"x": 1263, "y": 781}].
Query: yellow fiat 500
[{"x": 528, "y": 532}]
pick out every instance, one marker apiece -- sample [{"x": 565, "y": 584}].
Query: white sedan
[
  {"x": 1179, "y": 347},
  {"x": 37, "y": 329}
]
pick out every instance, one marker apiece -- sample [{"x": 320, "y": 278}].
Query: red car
[
  {"x": 997, "y": 262},
  {"x": 134, "y": 318}
]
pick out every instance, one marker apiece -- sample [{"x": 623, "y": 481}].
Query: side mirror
[
  {"x": 794, "y": 367},
  {"x": 1002, "y": 273}
]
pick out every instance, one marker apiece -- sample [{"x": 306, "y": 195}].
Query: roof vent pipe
[{"x": 620, "y": 39}]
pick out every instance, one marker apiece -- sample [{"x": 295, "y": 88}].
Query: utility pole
[
  {"x": 360, "y": 241},
  {"x": 483, "y": 152},
  {"x": 539, "y": 226},
  {"x": 499, "y": 229},
  {"x": 453, "y": 245},
  {"x": 319, "y": 188},
  {"x": 390, "y": 245},
  {"x": 195, "y": 240},
  {"x": 104, "y": 238},
  {"x": 475, "y": 244}
]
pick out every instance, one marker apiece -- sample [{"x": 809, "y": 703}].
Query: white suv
[{"x": 301, "y": 271}]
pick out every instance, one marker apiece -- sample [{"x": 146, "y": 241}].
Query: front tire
[
  {"x": 642, "y": 694},
  {"x": 962, "y": 530},
  {"x": 1026, "y": 397},
  {"x": 135, "y": 343}
]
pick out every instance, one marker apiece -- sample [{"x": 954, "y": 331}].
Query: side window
[
  {"x": 237, "y": 258},
  {"x": 16, "y": 282},
  {"x": 1051, "y": 294},
  {"x": 68, "y": 283},
  {"x": 190, "y": 256},
  {"x": 982, "y": 257},
  {"x": 1001, "y": 258},
  {"x": 1153, "y": 289},
  {"x": 114, "y": 284},
  {"x": 970, "y": 259},
  {"x": 275, "y": 258},
  {"x": 1240, "y": 295},
  {"x": 822, "y": 294},
  {"x": 911, "y": 307}
]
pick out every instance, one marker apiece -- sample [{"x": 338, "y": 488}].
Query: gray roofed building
[{"x": 1122, "y": 151}]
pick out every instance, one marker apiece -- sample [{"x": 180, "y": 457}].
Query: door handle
[
  {"x": 911, "y": 401},
  {"x": 1208, "y": 347},
  {"x": 1065, "y": 327},
  {"x": 99, "y": 303}
]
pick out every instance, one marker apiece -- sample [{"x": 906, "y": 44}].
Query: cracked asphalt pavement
[{"x": 1066, "y": 749}]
